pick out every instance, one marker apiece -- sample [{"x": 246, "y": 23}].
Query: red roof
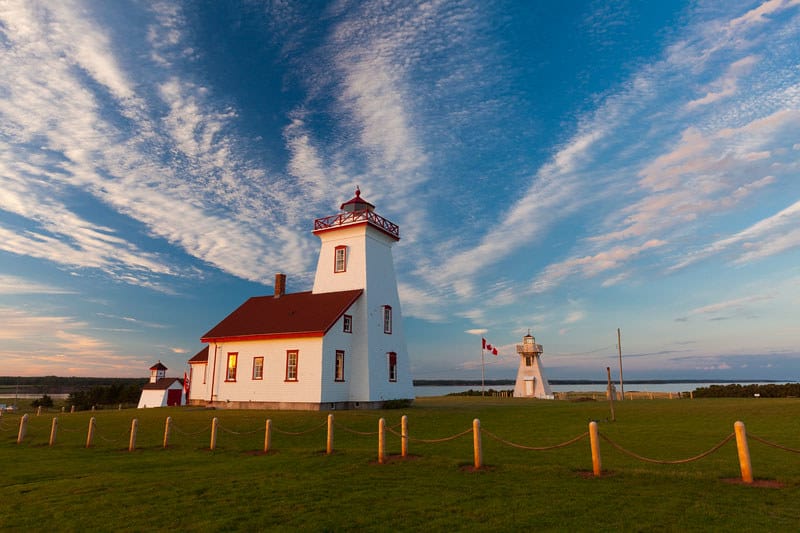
[
  {"x": 200, "y": 357},
  {"x": 356, "y": 203},
  {"x": 158, "y": 366},
  {"x": 162, "y": 384},
  {"x": 301, "y": 314}
]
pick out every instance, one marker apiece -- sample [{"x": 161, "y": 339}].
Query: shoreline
[{"x": 477, "y": 382}]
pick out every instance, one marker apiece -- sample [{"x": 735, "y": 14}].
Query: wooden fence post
[
  {"x": 23, "y": 428},
  {"x": 381, "y": 440},
  {"x": 267, "y": 435},
  {"x": 39, "y": 410},
  {"x": 53, "y": 429},
  {"x": 476, "y": 443},
  {"x": 329, "y": 446},
  {"x": 214, "y": 425},
  {"x": 594, "y": 441},
  {"x": 744, "y": 452},
  {"x": 167, "y": 428},
  {"x": 90, "y": 433},
  {"x": 132, "y": 442},
  {"x": 404, "y": 436}
]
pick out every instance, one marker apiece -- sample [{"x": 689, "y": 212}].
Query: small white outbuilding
[{"x": 162, "y": 391}]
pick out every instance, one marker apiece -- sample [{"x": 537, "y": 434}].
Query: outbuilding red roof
[
  {"x": 162, "y": 384},
  {"x": 301, "y": 314}
]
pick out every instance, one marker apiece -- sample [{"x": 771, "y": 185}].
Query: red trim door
[{"x": 174, "y": 397}]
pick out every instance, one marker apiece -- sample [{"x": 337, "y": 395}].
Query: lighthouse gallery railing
[{"x": 343, "y": 219}]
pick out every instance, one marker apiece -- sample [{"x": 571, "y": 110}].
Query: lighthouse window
[
  {"x": 230, "y": 375},
  {"x": 258, "y": 368},
  {"x": 348, "y": 324},
  {"x": 339, "y": 370},
  {"x": 392, "y": 366},
  {"x": 340, "y": 259},
  {"x": 528, "y": 361},
  {"x": 387, "y": 319},
  {"x": 291, "y": 365}
]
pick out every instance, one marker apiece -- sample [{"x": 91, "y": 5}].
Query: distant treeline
[
  {"x": 769, "y": 390},
  {"x": 99, "y": 396},
  {"x": 61, "y": 385}
]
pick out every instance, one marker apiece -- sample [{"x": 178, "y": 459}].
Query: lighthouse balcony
[
  {"x": 358, "y": 217},
  {"x": 529, "y": 349}
]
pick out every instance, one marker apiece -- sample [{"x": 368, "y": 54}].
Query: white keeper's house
[{"x": 338, "y": 346}]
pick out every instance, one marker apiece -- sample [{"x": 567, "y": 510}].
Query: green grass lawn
[{"x": 67, "y": 487}]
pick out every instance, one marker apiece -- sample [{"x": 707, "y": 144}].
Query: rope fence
[
  {"x": 94, "y": 430},
  {"x": 538, "y": 448},
  {"x": 774, "y": 445},
  {"x": 669, "y": 462}
]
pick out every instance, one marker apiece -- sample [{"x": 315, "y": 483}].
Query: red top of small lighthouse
[{"x": 356, "y": 203}]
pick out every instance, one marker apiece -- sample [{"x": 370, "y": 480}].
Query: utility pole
[{"x": 621, "y": 382}]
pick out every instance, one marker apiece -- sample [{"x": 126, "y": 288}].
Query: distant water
[{"x": 443, "y": 390}]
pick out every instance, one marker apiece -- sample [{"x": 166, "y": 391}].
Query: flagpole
[{"x": 483, "y": 371}]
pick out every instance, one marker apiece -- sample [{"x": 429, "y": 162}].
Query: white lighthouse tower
[
  {"x": 531, "y": 382},
  {"x": 356, "y": 253}
]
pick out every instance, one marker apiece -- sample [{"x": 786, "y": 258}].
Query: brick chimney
[{"x": 280, "y": 285}]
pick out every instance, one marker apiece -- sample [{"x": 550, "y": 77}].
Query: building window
[
  {"x": 348, "y": 324},
  {"x": 340, "y": 259},
  {"x": 291, "y": 365},
  {"x": 230, "y": 375},
  {"x": 528, "y": 360},
  {"x": 258, "y": 368},
  {"x": 339, "y": 370},
  {"x": 392, "y": 366},
  {"x": 387, "y": 319}
]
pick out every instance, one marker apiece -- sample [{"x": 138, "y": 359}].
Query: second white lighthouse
[{"x": 531, "y": 382}]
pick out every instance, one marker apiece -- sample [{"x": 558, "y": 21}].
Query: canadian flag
[
  {"x": 487, "y": 346},
  {"x": 185, "y": 383}
]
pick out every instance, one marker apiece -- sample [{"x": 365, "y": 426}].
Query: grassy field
[{"x": 297, "y": 486}]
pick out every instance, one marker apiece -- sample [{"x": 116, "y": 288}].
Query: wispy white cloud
[
  {"x": 761, "y": 13},
  {"x": 132, "y": 320},
  {"x": 574, "y": 316},
  {"x": 589, "y": 266},
  {"x": 18, "y": 285},
  {"x": 769, "y": 236},
  {"x": 175, "y": 167},
  {"x": 419, "y": 303},
  {"x": 727, "y": 85},
  {"x": 736, "y": 304},
  {"x": 46, "y": 344}
]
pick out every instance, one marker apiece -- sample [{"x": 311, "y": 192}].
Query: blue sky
[{"x": 568, "y": 167}]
